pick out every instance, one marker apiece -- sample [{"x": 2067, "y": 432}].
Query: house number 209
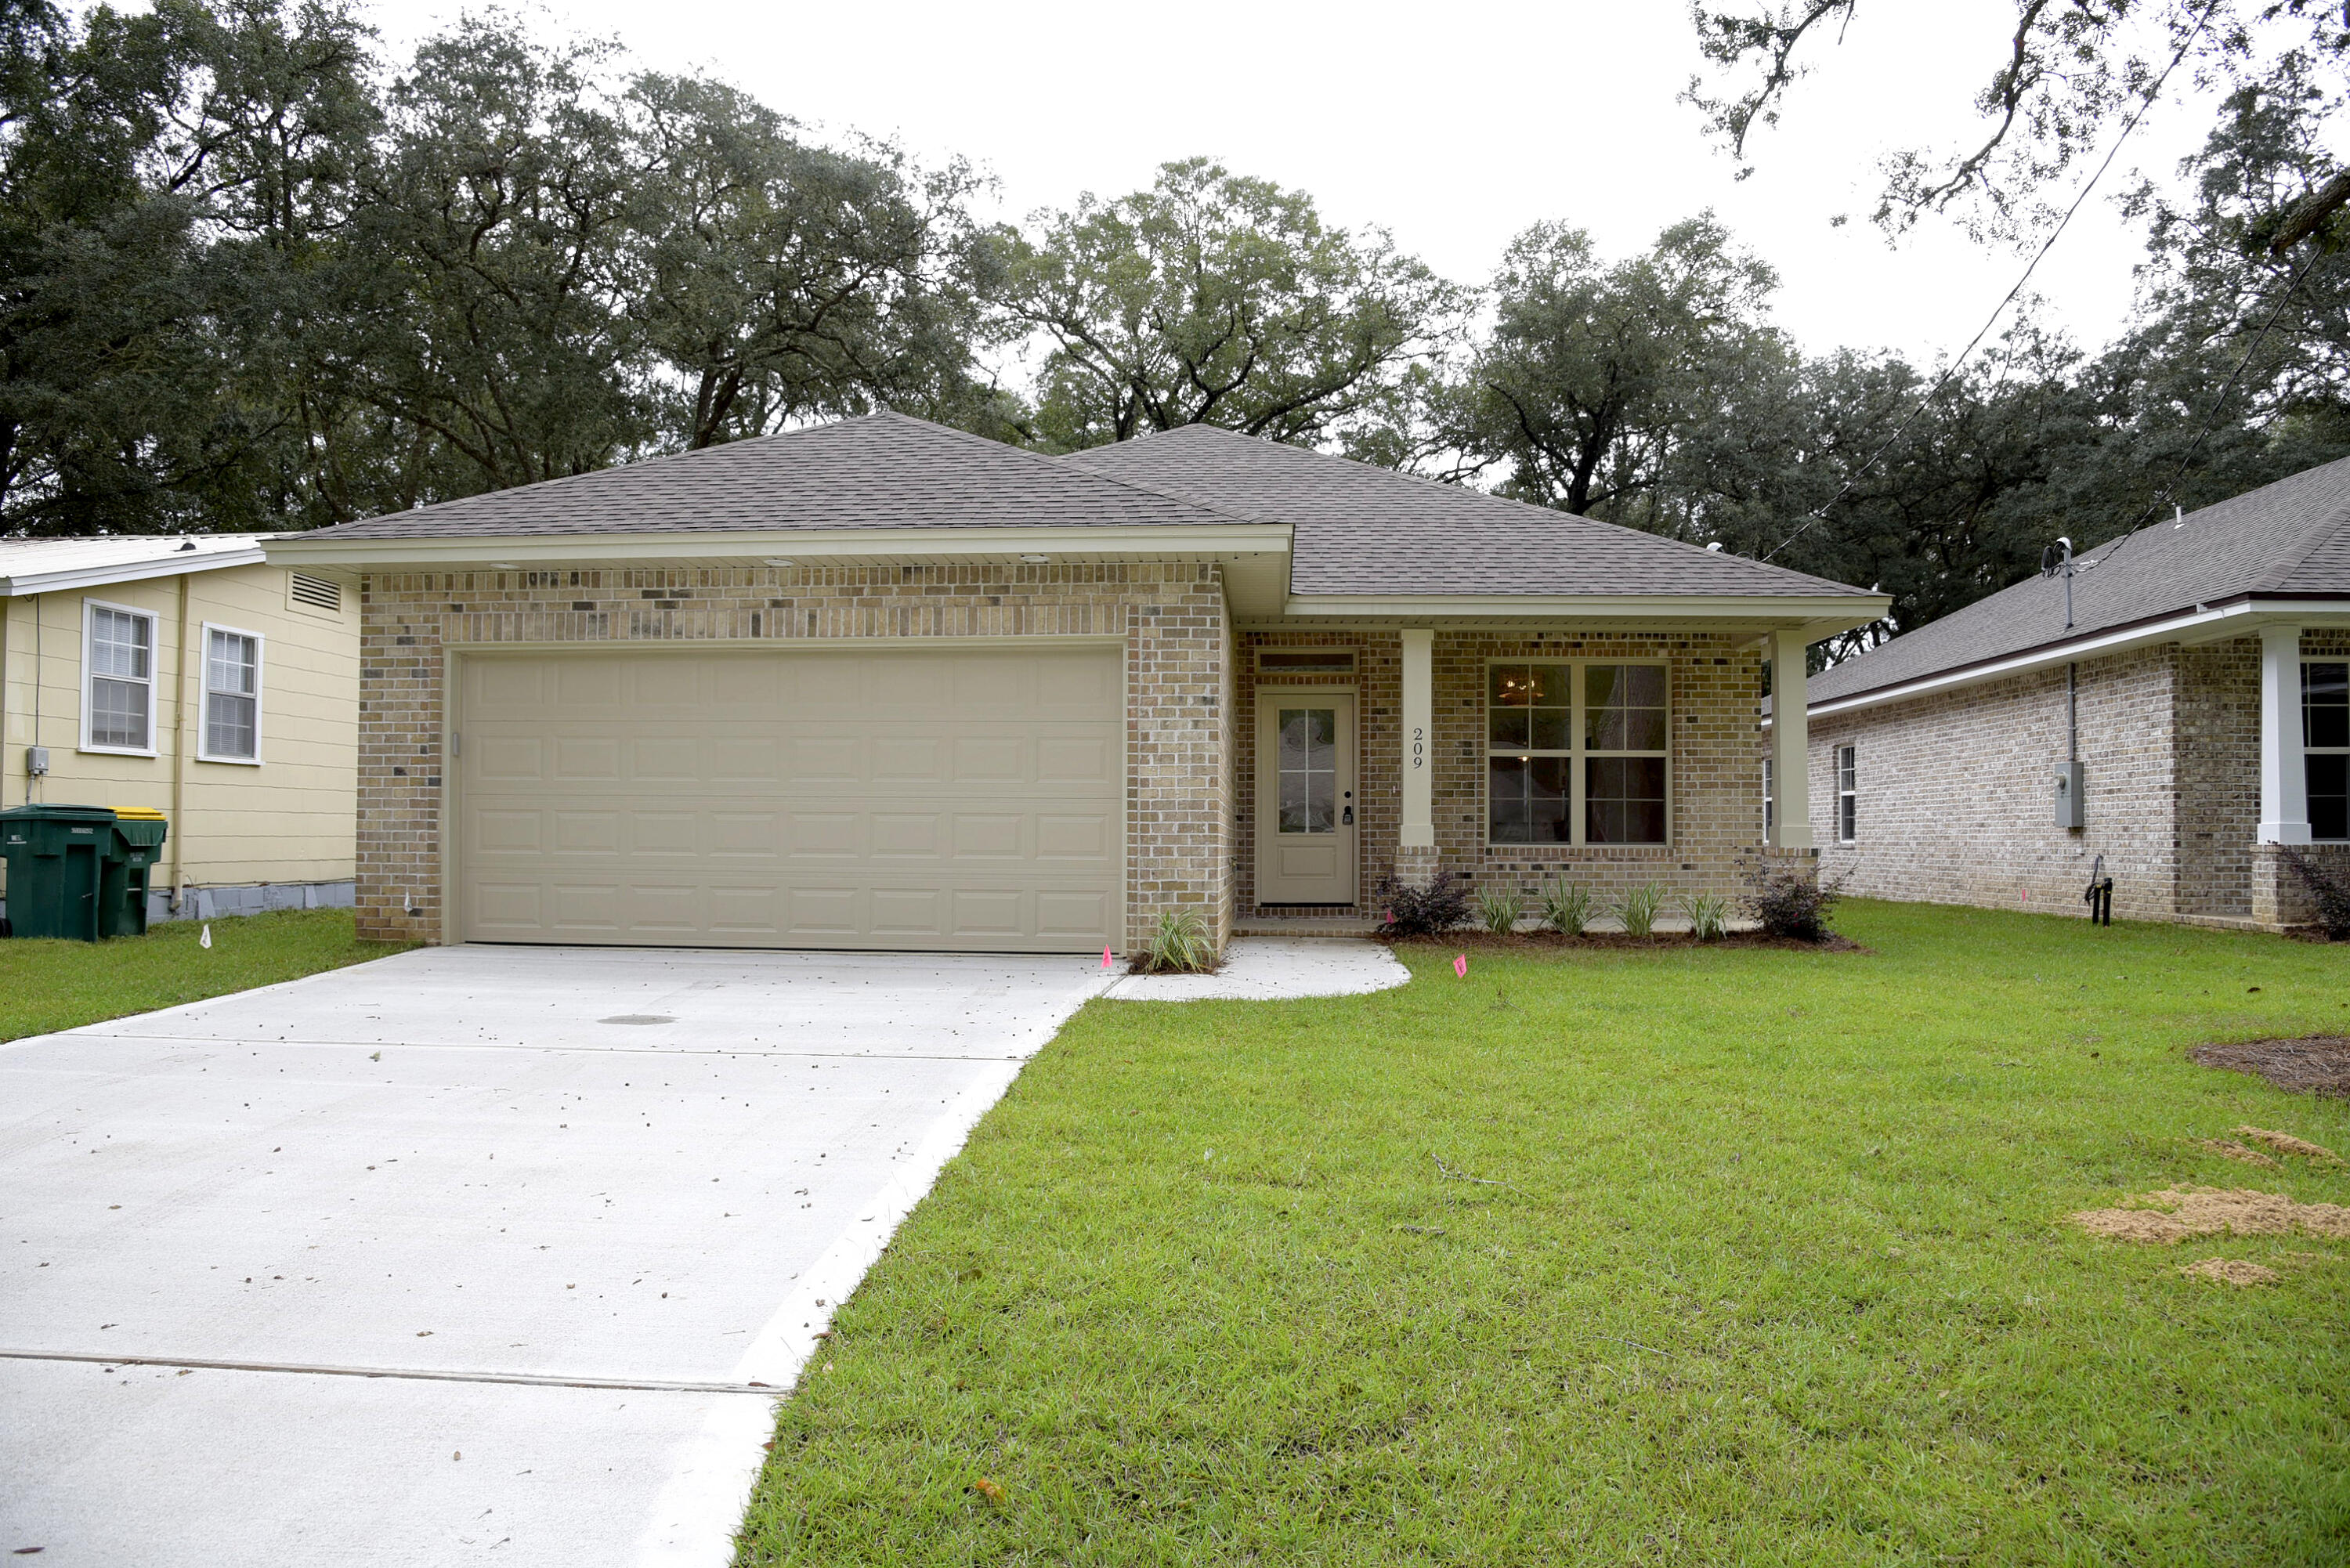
[{"x": 1419, "y": 748}]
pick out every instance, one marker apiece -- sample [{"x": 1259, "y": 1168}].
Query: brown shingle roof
[
  {"x": 1366, "y": 530},
  {"x": 885, "y": 471}
]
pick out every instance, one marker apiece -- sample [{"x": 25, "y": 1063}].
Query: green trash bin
[
  {"x": 56, "y": 858},
  {"x": 130, "y": 856}
]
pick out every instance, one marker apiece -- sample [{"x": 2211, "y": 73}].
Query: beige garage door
[{"x": 949, "y": 799}]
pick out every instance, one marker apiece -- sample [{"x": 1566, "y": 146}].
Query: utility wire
[
  {"x": 1820, "y": 513},
  {"x": 2218, "y": 404}
]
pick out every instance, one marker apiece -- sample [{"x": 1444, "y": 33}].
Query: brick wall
[
  {"x": 1178, "y": 683},
  {"x": 1716, "y": 768},
  {"x": 1955, "y": 789}
]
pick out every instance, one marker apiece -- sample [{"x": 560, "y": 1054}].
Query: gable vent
[{"x": 318, "y": 593}]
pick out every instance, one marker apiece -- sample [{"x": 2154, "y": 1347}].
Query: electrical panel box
[
  {"x": 2068, "y": 795},
  {"x": 36, "y": 762}
]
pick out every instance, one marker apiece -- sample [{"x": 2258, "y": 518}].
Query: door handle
[{"x": 1348, "y": 818}]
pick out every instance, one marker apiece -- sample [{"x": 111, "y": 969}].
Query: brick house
[
  {"x": 884, "y": 685},
  {"x": 2192, "y": 695}
]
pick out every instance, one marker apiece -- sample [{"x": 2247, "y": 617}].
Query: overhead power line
[{"x": 2000, "y": 309}]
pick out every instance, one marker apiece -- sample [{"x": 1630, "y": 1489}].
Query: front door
[{"x": 1305, "y": 796}]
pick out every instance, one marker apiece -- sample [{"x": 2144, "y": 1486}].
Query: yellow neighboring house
[{"x": 182, "y": 674}]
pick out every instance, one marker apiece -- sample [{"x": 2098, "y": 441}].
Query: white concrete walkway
[
  {"x": 472, "y": 1253},
  {"x": 1277, "y": 969}
]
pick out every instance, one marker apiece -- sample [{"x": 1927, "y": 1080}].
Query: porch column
[
  {"x": 1790, "y": 743},
  {"x": 1415, "y": 862},
  {"x": 2284, "y": 784}
]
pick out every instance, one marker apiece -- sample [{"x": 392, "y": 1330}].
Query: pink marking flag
[
  {"x": 1460, "y": 966},
  {"x": 1105, "y": 963}
]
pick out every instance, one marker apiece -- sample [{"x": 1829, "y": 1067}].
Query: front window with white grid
[
  {"x": 1575, "y": 753},
  {"x": 1847, "y": 795},
  {"x": 120, "y": 655},
  {"x": 2326, "y": 740},
  {"x": 232, "y": 695}
]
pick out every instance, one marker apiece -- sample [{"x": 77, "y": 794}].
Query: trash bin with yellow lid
[{"x": 136, "y": 844}]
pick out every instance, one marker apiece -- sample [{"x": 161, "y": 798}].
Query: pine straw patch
[
  {"x": 1616, "y": 941},
  {"x": 2174, "y": 1214},
  {"x": 2313, "y": 1065}
]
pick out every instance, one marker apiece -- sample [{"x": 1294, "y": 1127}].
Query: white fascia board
[
  {"x": 1207, "y": 540},
  {"x": 25, "y": 583},
  {"x": 1817, "y": 617},
  {"x": 2202, "y": 624}
]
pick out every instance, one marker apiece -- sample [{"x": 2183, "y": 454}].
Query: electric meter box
[{"x": 2068, "y": 795}]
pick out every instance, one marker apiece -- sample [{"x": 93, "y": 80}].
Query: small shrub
[
  {"x": 2331, "y": 891},
  {"x": 1790, "y": 904},
  {"x": 1567, "y": 909},
  {"x": 1498, "y": 909},
  {"x": 1179, "y": 944},
  {"x": 1637, "y": 908},
  {"x": 1424, "y": 911},
  {"x": 1709, "y": 915}
]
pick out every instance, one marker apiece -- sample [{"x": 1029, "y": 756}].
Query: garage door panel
[
  {"x": 994, "y": 837},
  {"x": 905, "y": 759},
  {"x": 745, "y": 835},
  {"x": 825, "y": 798},
  {"x": 823, "y": 760},
  {"x": 825, "y": 836},
  {"x": 585, "y": 831},
  {"x": 1083, "y": 916},
  {"x": 1076, "y": 760},
  {"x": 580, "y": 759}
]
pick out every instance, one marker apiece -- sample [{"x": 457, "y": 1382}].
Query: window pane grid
[
  {"x": 1577, "y": 752},
  {"x": 1307, "y": 768},
  {"x": 1847, "y": 793},
  {"x": 232, "y": 694},
  {"x": 119, "y": 654},
  {"x": 2325, "y": 735}
]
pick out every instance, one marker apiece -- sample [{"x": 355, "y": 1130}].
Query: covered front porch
[{"x": 1517, "y": 752}]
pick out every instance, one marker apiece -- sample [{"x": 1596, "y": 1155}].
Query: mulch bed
[
  {"x": 1532, "y": 941},
  {"x": 2313, "y": 1065}
]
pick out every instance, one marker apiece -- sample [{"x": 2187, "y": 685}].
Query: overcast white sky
[{"x": 1453, "y": 126}]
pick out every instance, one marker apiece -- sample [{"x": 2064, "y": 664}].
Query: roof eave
[
  {"x": 1816, "y": 615},
  {"x": 2240, "y": 617},
  {"x": 24, "y": 584}
]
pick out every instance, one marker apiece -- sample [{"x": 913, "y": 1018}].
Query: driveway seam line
[{"x": 420, "y": 1375}]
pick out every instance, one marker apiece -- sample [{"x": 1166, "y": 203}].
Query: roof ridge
[
  {"x": 1062, "y": 465},
  {"x": 1548, "y": 514}
]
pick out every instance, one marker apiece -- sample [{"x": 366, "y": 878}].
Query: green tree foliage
[
  {"x": 1594, "y": 379},
  {"x": 250, "y": 278},
  {"x": 1219, "y": 299}
]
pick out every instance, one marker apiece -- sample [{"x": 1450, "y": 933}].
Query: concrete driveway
[{"x": 471, "y": 1253}]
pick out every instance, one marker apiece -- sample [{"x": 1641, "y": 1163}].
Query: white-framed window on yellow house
[
  {"x": 1577, "y": 752},
  {"x": 232, "y": 711},
  {"x": 118, "y": 679}
]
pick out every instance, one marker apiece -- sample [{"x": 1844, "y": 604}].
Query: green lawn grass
[
  {"x": 1780, "y": 1273},
  {"x": 49, "y": 985}
]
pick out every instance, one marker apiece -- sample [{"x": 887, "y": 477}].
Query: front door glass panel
[{"x": 1309, "y": 770}]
